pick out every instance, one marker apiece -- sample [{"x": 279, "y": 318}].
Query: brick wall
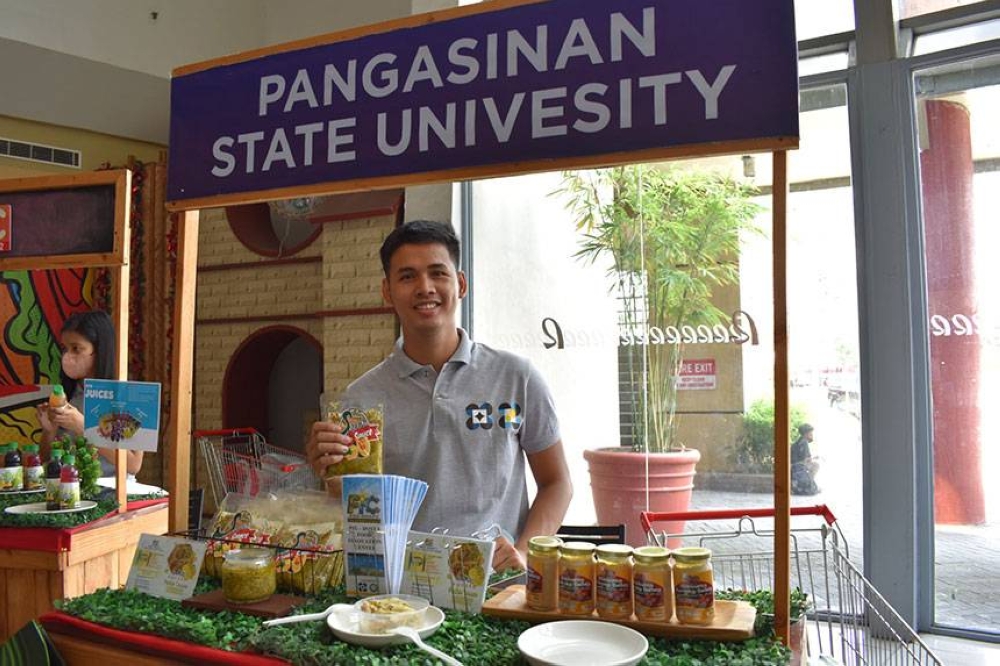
[{"x": 347, "y": 277}]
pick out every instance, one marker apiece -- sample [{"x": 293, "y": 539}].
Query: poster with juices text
[{"x": 121, "y": 415}]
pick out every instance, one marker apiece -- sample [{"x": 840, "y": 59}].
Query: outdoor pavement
[{"x": 967, "y": 558}]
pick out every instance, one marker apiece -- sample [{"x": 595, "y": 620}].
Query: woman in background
[{"x": 88, "y": 347}]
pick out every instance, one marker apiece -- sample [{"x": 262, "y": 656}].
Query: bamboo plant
[{"x": 673, "y": 237}]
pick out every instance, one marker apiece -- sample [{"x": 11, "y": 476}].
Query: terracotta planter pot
[{"x": 619, "y": 483}]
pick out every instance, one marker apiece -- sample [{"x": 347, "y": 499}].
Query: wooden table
[{"x": 76, "y": 562}]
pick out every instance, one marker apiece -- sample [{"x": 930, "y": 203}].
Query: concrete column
[{"x": 949, "y": 235}]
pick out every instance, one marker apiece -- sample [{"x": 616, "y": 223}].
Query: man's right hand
[{"x": 327, "y": 446}]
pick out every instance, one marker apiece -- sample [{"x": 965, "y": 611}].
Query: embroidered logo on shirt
[
  {"x": 480, "y": 416},
  {"x": 510, "y": 415}
]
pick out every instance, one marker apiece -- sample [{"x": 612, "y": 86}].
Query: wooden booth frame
[
  {"x": 179, "y": 443},
  {"x": 116, "y": 261}
]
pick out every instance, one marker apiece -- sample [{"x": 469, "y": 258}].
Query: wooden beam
[
  {"x": 782, "y": 450},
  {"x": 182, "y": 370},
  {"x": 745, "y": 147},
  {"x": 119, "y": 313}
]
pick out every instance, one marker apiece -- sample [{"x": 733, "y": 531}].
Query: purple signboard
[{"x": 529, "y": 83}]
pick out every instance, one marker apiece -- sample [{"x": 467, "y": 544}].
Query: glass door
[{"x": 959, "y": 156}]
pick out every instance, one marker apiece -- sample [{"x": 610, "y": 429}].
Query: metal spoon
[
  {"x": 411, "y": 633},
  {"x": 308, "y": 616}
]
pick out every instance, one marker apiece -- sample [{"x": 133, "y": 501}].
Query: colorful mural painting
[{"x": 33, "y": 307}]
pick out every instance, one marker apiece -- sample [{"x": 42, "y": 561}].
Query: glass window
[
  {"x": 818, "y": 19},
  {"x": 959, "y": 148},
  {"x": 908, "y": 8},
  {"x": 956, "y": 37},
  {"x": 542, "y": 292}
]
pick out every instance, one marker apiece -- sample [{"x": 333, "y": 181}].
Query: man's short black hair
[
  {"x": 420, "y": 232},
  {"x": 805, "y": 428}
]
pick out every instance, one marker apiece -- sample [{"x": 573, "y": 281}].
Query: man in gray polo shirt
[{"x": 459, "y": 415}]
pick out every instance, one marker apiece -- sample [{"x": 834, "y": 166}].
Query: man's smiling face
[{"x": 424, "y": 287}]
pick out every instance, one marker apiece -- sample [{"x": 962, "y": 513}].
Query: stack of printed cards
[{"x": 378, "y": 513}]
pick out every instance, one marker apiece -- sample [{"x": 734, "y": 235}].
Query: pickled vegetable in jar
[
  {"x": 576, "y": 578},
  {"x": 694, "y": 587},
  {"x": 248, "y": 575},
  {"x": 542, "y": 584},
  {"x": 614, "y": 581},
  {"x": 651, "y": 584}
]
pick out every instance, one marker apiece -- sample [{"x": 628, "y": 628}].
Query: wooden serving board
[
  {"x": 278, "y": 605},
  {"x": 733, "y": 619}
]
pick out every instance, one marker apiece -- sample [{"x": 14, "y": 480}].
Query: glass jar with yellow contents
[
  {"x": 694, "y": 587},
  {"x": 576, "y": 578},
  {"x": 248, "y": 575},
  {"x": 614, "y": 581},
  {"x": 651, "y": 584},
  {"x": 542, "y": 584}
]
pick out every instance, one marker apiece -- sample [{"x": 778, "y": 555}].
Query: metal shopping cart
[
  {"x": 848, "y": 621},
  {"x": 239, "y": 460}
]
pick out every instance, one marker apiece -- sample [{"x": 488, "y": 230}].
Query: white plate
[
  {"x": 344, "y": 625},
  {"x": 39, "y": 507},
  {"x": 132, "y": 487},
  {"x": 576, "y": 642},
  {"x": 4, "y": 493}
]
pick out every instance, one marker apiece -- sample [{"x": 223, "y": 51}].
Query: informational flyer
[
  {"x": 121, "y": 415},
  {"x": 449, "y": 571},
  {"x": 379, "y": 510},
  {"x": 166, "y": 566},
  {"x": 364, "y": 572}
]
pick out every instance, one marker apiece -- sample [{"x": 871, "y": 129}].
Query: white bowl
[
  {"x": 582, "y": 642},
  {"x": 345, "y": 625}
]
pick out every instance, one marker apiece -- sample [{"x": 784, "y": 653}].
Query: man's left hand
[{"x": 506, "y": 556}]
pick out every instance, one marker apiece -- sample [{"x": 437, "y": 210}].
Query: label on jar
[
  {"x": 576, "y": 590},
  {"x": 650, "y": 589},
  {"x": 614, "y": 591},
  {"x": 540, "y": 586},
  {"x": 694, "y": 598}
]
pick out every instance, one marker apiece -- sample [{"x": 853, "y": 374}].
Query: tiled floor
[{"x": 958, "y": 652}]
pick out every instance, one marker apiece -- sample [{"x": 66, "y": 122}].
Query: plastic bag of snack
[
  {"x": 237, "y": 521},
  {"x": 364, "y": 427}
]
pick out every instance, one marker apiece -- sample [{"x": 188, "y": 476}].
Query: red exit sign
[{"x": 697, "y": 374}]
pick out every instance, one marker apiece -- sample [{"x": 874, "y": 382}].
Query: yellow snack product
[{"x": 365, "y": 428}]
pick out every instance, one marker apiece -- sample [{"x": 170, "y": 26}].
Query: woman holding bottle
[{"x": 88, "y": 348}]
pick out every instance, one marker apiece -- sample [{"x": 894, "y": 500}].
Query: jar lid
[
  {"x": 545, "y": 544},
  {"x": 577, "y": 548},
  {"x": 692, "y": 554},
  {"x": 248, "y": 555},
  {"x": 651, "y": 554},
  {"x": 614, "y": 550}
]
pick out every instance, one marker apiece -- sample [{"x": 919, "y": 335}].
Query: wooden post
[
  {"x": 182, "y": 370},
  {"x": 782, "y": 451},
  {"x": 119, "y": 316}
]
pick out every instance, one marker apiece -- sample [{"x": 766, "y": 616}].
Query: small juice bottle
[
  {"x": 69, "y": 483},
  {"x": 34, "y": 472},
  {"x": 57, "y": 399},
  {"x": 13, "y": 468},
  {"x": 53, "y": 479}
]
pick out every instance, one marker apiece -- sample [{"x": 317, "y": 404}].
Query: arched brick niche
[{"x": 272, "y": 384}]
